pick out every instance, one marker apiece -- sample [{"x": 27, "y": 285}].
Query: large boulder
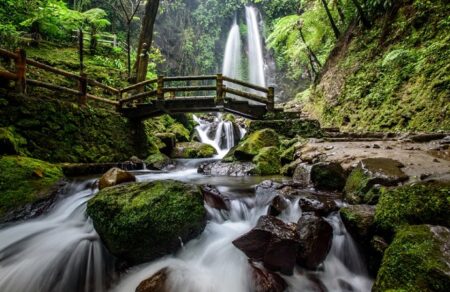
[
  {"x": 422, "y": 203},
  {"x": 139, "y": 222},
  {"x": 359, "y": 221},
  {"x": 288, "y": 126},
  {"x": 251, "y": 146},
  {"x": 158, "y": 161},
  {"x": 273, "y": 242},
  {"x": 193, "y": 150},
  {"x": 368, "y": 173},
  {"x": 219, "y": 168},
  {"x": 155, "y": 283},
  {"x": 316, "y": 236},
  {"x": 266, "y": 281},
  {"x": 11, "y": 143},
  {"x": 214, "y": 198},
  {"x": 320, "y": 205},
  {"x": 25, "y": 181},
  {"x": 115, "y": 176},
  {"x": 329, "y": 176},
  {"x": 267, "y": 161},
  {"x": 279, "y": 204},
  {"x": 417, "y": 260}
]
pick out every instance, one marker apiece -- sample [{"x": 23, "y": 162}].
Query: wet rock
[
  {"x": 370, "y": 172},
  {"x": 288, "y": 124},
  {"x": 302, "y": 174},
  {"x": 267, "y": 161},
  {"x": 158, "y": 161},
  {"x": 193, "y": 150},
  {"x": 321, "y": 207},
  {"x": 359, "y": 219},
  {"x": 251, "y": 146},
  {"x": 273, "y": 242},
  {"x": 156, "y": 283},
  {"x": 417, "y": 260},
  {"x": 289, "y": 169},
  {"x": 278, "y": 205},
  {"x": 134, "y": 163},
  {"x": 227, "y": 168},
  {"x": 266, "y": 281},
  {"x": 329, "y": 176},
  {"x": 115, "y": 176},
  {"x": 316, "y": 236},
  {"x": 214, "y": 198},
  {"x": 422, "y": 138},
  {"x": 140, "y": 222},
  {"x": 169, "y": 140}
]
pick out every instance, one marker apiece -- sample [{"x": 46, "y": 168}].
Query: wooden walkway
[{"x": 150, "y": 98}]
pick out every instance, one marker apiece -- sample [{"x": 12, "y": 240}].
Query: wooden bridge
[{"x": 150, "y": 98}]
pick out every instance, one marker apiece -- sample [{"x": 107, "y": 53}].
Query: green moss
[
  {"x": 254, "y": 142},
  {"x": 289, "y": 127},
  {"x": 267, "y": 161},
  {"x": 11, "y": 142},
  {"x": 157, "y": 160},
  {"x": 25, "y": 180},
  {"x": 415, "y": 261},
  {"x": 193, "y": 150},
  {"x": 142, "y": 221},
  {"x": 413, "y": 204},
  {"x": 356, "y": 185}
]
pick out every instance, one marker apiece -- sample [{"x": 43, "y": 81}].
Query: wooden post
[
  {"x": 160, "y": 88},
  {"x": 82, "y": 100},
  {"x": 21, "y": 71},
  {"x": 219, "y": 89},
  {"x": 80, "y": 48},
  {"x": 271, "y": 99}
]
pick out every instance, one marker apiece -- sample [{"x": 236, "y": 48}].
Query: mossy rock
[
  {"x": 368, "y": 173},
  {"x": 25, "y": 180},
  {"x": 267, "y": 161},
  {"x": 181, "y": 133},
  {"x": 416, "y": 260},
  {"x": 139, "y": 222},
  {"x": 193, "y": 150},
  {"x": 329, "y": 176},
  {"x": 424, "y": 203},
  {"x": 158, "y": 161},
  {"x": 11, "y": 143},
  {"x": 254, "y": 142},
  {"x": 289, "y": 127}
]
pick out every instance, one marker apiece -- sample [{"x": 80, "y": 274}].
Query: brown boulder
[
  {"x": 279, "y": 203},
  {"x": 266, "y": 281},
  {"x": 322, "y": 206},
  {"x": 273, "y": 242},
  {"x": 329, "y": 176},
  {"x": 214, "y": 198},
  {"x": 316, "y": 236},
  {"x": 156, "y": 283},
  {"x": 115, "y": 176}
]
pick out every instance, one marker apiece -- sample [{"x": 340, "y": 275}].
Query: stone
[
  {"x": 289, "y": 169},
  {"x": 273, "y": 242},
  {"x": 316, "y": 236},
  {"x": 420, "y": 203},
  {"x": 321, "y": 207},
  {"x": 368, "y": 173},
  {"x": 214, "y": 198},
  {"x": 193, "y": 150},
  {"x": 248, "y": 148},
  {"x": 329, "y": 176},
  {"x": 302, "y": 174},
  {"x": 264, "y": 280},
  {"x": 278, "y": 205},
  {"x": 289, "y": 127},
  {"x": 359, "y": 221},
  {"x": 267, "y": 161},
  {"x": 417, "y": 260},
  {"x": 219, "y": 168},
  {"x": 155, "y": 283},
  {"x": 158, "y": 161},
  {"x": 139, "y": 222},
  {"x": 115, "y": 176}
]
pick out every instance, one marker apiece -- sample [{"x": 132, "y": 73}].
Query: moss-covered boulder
[
  {"x": 11, "y": 143},
  {"x": 25, "y": 180},
  {"x": 329, "y": 176},
  {"x": 417, "y": 260},
  {"x": 267, "y": 161},
  {"x": 139, "y": 222},
  {"x": 368, "y": 173},
  {"x": 247, "y": 149},
  {"x": 193, "y": 150},
  {"x": 424, "y": 203},
  {"x": 158, "y": 161},
  {"x": 289, "y": 127}
]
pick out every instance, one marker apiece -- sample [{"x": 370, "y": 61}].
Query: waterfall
[
  {"x": 232, "y": 58},
  {"x": 255, "y": 51}
]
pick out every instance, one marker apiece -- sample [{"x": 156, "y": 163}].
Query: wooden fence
[{"x": 136, "y": 93}]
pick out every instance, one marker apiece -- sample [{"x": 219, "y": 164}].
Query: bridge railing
[
  {"x": 19, "y": 76},
  {"x": 159, "y": 88}
]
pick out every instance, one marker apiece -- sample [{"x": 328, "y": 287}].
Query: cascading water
[
  {"x": 255, "y": 51},
  {"x": 232, "y": 58}
]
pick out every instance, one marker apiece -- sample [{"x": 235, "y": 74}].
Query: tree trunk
[
  {"x": 338, "y": 5},
  {"x": 129, "y": 49},
  {"x": 145, "y": 39},
  {"x": 336, "y": 31},
  {"x": 362, "y": 14},
  {"x": 312, "y": 55}
]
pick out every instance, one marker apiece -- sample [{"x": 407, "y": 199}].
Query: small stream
[{"x": 61, "y": 251}]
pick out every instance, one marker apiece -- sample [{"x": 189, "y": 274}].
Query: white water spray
[
  {"x": 232, "y": 58},
  {"x": 255, "y": 51}
]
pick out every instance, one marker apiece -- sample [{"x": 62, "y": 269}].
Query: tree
[
  {"x": 313, "y": 60},
  {"x": 145, "y": 39},
  {"x": 362, "y": 14},
  {"x": 336, "y": 31},
  {"x": 338, "y": 5}
]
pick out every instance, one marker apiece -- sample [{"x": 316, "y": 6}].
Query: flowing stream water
[{"x": 255, "y": 48}]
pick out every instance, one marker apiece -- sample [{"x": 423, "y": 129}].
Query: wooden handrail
[
  {"x": 8, "y": 75},
  {"x": 94, "y": 97},
  {"x": 53, "y": 86},
  {"x": 189, "y": 88},
  {"x": 139, "y": 96},
  {"x": 52, "y": 69},
  {"x": 101, "y": 85},
  {"x": 247, "y": 95},
  {"x": 246, "y": 84},
  {"x": 138, "y": 85},
  {"x": 8, "y": 54},
  {"x": 190, "y": 78}
]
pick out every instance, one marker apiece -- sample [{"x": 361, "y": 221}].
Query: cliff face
[{"x": 394, "y": 76}]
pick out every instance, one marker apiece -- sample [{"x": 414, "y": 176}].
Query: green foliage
[
  {"x": 25, "y": 180},
  {"x": 193, "y": 150}
]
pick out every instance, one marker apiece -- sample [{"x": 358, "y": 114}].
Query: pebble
[{"x": 329, "y": 147}]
